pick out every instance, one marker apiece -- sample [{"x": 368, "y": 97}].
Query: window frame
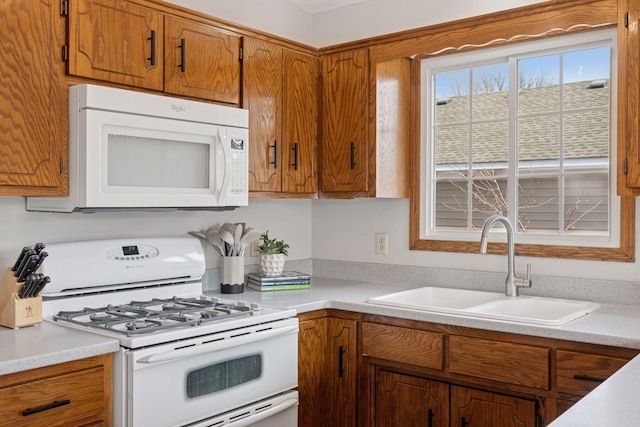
[
  {"x": 509, "y": 55},
  {"x": 622, "y": 250}
]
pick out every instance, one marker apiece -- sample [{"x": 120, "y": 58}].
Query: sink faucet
[{"x": 513, "y": 282}]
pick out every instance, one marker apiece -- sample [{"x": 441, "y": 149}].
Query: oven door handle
[
  {"x": 216, "y": 345},
  {"x": 253, "y": 419}
]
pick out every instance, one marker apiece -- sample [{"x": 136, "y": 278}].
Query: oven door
[
  {"x": 188, "y": 381},
  {"x": 278, "y": 411}
]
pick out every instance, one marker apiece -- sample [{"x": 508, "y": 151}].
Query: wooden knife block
[{"x": 17, "y": 312}]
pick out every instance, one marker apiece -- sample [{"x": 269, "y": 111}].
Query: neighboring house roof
[{"x": 586, "y": 132}]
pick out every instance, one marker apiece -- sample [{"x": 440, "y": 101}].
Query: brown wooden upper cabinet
[
  {"x": 201, "y": 61},
  {"x": 629, "y": 97},
  {"x": 344, "y": 143},
  {"x": 126, "y": 43},
  {"x": 366, "y": 125},
  {"x": 116, "y": 41},
  {"x": 33, "y": 157},
  {"x": 280, "y": 91}
]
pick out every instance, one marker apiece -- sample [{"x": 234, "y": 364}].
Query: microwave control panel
[{"x": 238, "y": 166}]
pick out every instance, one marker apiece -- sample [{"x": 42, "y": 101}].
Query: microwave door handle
[
  {"x": 222, "y": 159},
  {"x": 215, "y": 346},
  {"x": 251, "y": 420}
]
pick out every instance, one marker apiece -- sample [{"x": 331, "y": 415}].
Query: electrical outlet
[
  {"x": 381, "y": 243},
  {"x": 254, "y": 248}
]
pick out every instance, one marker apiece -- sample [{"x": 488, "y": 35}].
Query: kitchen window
[{"x": 525, "y": 130}]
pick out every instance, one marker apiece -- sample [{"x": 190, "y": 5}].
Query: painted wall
[
  {"x": 286, "y": 219},
  {"x": 322, "y": 229},
  {"x": 278, "y": 17},
  {"x": 376, "y": 17},
  {"x": 361, "y": 20},
  {"x": 345, "y": 230}
]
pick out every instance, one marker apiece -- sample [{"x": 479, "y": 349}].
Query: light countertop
[
  {"x": 613, "y": 403},
  {"x": 616, "y": 326},
  {"x": 48, "y": 344}
]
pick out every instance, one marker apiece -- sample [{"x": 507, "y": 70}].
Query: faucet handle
[{"x": 523, "y": 282}]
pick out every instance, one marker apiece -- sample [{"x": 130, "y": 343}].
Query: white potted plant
[{"x": 272, "y": 255}]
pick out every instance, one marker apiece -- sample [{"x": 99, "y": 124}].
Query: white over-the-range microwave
[{"x": 132, "y": 150}]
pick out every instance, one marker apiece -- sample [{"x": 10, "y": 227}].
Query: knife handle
[
  {"x": 26, "y": 286},
  {"x": 41, "y": 258},
  {"x": 21, "y": 258},
  {"x": 27, "y": 268},
  {"x": 38, "y": 247},
  {"x": 40, "y": 286}
]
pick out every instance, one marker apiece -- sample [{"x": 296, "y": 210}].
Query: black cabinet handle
[
  {"x": 353, "y": 155},
  {"x": 183, "y": 63},
  {"x": 589, "y": 378},
  {"x": 463, "y": 422},
  {"x": 295, "y": 156},
  {"x": 275, "y": 154},
  {"x": 152, "y": 39},
  {"x": 55, "y": 404},
  {"x": 430, "y": 415},
  {"x": 341, "y": 352}
]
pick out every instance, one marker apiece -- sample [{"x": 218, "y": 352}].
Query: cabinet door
[
  {"x": 116, "y": 41},
  {"x": 629, "y": 97},
  {"x": 344, "y": 122},
  {"x": 312, "y": 362},
  {"x": 201, "y": 61},
  {"x": 300, "y": 123},
  {"x": 262, "y": 96},
  {"x": 408, "y": 401},
  {"x": 33, "y": 111},
  {"x": 475, "y": 408},
  {"x": 342, "y": 372}
]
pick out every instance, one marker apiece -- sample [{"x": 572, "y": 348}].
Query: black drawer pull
[
  {"x": 353, "y": 155},
  {"x": 341, "y": 352},
  {"x": 295, "y": 156},
  {"x": 55, "y": 404},
  {"x": 183, "y": 55},
  {"x": 275, "y": 154},
  {"x": 152, "y": 39},
  {"x": 589, "y": 378}
]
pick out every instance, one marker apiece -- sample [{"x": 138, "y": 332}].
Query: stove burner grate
[{"x": 143, "y": 317}]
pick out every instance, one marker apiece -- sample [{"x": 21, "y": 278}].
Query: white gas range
[{"x": 185, "y": 359}]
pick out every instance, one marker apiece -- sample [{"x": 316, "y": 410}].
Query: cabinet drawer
[
  {"x": 500, "y": 361},
  {"x": 404, "y": 345},
  {"x": 69, "y": 400},
  {"x": 579, "y": 373}
]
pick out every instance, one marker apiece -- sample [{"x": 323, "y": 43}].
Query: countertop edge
[{"x": 47, "y": 344}]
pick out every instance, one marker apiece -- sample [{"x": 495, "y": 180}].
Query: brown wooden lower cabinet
[
  {"x": 476, "y": 408},
  {"x": 373, "y": 371},
  {"x": 327, "y": 361},
  {"x": 408, "y": 401},
  {"x": 71, "y": 394}
]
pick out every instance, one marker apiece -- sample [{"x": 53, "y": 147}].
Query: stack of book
[{"x": 286, "y": 281}]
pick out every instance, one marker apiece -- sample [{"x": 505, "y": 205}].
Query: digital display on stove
[{"x": 130, "y": 250}]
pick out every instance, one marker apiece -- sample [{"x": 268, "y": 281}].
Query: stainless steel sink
[{"x": 491, "y": 305}]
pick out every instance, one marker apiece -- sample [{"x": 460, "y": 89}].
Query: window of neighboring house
[{"x": 526, "y": 131}]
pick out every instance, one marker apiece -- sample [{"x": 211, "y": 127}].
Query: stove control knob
[
  {"x": 255, "y": 306},
  {"x": 241, "y": 304}
]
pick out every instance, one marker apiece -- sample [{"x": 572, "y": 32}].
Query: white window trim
[{"x": 479, "y": 58}]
